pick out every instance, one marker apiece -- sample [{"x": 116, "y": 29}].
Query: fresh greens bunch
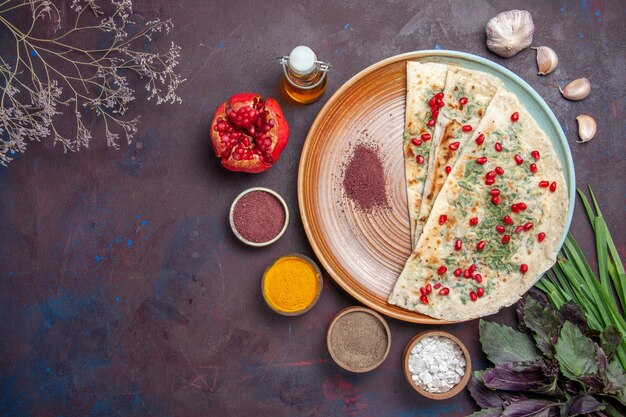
[
  {"x": 602, "y": 297},
  {"x": 570, "y": 356},
  {"x": 555, "y": 366}
]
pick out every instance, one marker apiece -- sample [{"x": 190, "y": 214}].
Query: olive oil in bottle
[{"x": 304, "y": 77}]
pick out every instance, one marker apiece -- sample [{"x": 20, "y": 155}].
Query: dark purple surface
[{"x": 123, "y": 291}]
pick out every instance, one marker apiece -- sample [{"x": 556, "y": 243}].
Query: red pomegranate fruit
[{"x": 249, "y": 133}]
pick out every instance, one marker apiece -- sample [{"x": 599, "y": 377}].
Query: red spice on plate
[
  {"x": 364, "y": 179},
  {"x": 258, "y": 216}
]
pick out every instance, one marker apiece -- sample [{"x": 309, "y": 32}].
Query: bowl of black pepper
[{"x": 259, "y": 216}]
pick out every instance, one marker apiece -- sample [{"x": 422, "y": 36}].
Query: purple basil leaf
[
  {"x": 484, "y": 397},
  {"x": 487, "y": 412},
  {"x": 572, "y": 312},
  {"x": 581, "y": 404},
  {"x": 503, "y": 344},
  {"x": 520, "y": 377},
  {"x": 610, "y": 339},
  {"x": 544, "y": 324},
  {"x": 532, "y": 408}
]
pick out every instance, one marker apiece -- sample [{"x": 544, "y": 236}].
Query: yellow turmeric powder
[{"x": 290, "y": 285}]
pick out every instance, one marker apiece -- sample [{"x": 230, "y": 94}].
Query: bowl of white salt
[{"x": 437, "y": 364}]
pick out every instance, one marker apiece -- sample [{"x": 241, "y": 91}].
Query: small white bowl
[{"x": 232, "y": 222}]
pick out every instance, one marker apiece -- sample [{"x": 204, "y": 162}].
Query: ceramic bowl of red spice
[{"x": 259, "y": 216}]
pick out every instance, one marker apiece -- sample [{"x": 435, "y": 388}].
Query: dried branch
[{"x": 44, "y": 75}]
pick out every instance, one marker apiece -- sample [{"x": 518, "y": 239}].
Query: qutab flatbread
[
  {"x": 455, "y": 125},
  {"x": 496, "y": 262},
  {"x": 423, "y": 82}
]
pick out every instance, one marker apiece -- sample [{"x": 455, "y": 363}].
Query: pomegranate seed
[
  {"x": 467, "y": 274},
  {"x": 498, "y": 147},
  {"x": 478, "y": 278},
  {"x": 471, "y": 269},
  {"x": 432, "y": 102},
  {"x": 553, "y": 187},
  {"x": 439, "y": 95},
  {"x": 454, "y": 146},
  {"x": 480, "y": 139},
  {"x": 458, "y": 272},
  {"x": 442, "y": 270},
  {"x": 481, "y": 160},
  {"x": 480, "y": 291},
  {"x": 490, "y": 181},
  {"x": 429, "y": 288},
  {"x": 437, "y": 285},
  {"x": 444, "y": 291},
  {"x": 473, "y": 296},
  {"x": 425, "y": 136},
  {"x": 499, "y": 170},
  {"x": 491, "y": 174},
  {"x": 529, "y": 226},
  {"x": 448, "y": 169},
  {"x": 519, "y": 229},
  {"x": 544, "y": 184},
  {"x": 500, "y": 229},
  {"x": 458, "y": 244},
  {"x": 521, "y": 206},
  {"x": 419, "y": 159},
  {"x": 473, "y": 221},
  {"x": 442, "y": 219},
  {"x": 440, "y": 102},
  {"x": 495, "y": 200},
  {"x": 494, "y": 192},
  {"x": 515, "y": 116},
  {"x": 434, "y": 113},
  {"x": 463, "y": 101},
  {"x": 416, "y": 142},
  {"x": 431, "y": 123},
  {"x": 519, "y": 160},
  {"x": 506, "y": 239},
  {"x": 481, "y": 245},
  {"x": 507, "y": 220},
  {"x": 523, "y": 268},
  {"x": 533, "y": 168},
  {"x": 467, "y": 128},
  {"x": 424, "y": 299},
  {"x": 541, "y": 236},
  {"x": 423, "y": 291},
  {"x": 514, "y": 208},
  {"x": 535, "y": 155}
]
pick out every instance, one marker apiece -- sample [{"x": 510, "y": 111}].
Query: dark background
[{"x": 123, "y": 291}]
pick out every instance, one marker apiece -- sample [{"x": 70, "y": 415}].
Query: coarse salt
[{"x": 436, "y": 364}]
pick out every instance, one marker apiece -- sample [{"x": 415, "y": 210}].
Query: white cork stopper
[{"x": 302, "y": 60}]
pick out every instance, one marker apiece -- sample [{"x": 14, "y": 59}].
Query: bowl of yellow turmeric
[{"x": 292, "y": 284}]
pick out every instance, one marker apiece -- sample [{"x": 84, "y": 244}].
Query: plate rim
[{"x": 407, "y": 315}]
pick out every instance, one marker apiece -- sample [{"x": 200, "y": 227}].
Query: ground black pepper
[
  {"x": 258, "y": 216},
  {"x": 364, "y": 179},
  {"x": 358, "y": 340}
]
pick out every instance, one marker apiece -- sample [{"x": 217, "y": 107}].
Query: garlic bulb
[
  {"x": 586, "y": 128},
  {"x": 577, "y": 89},
  {"x": 510, "y": 32},
  {"x": 547, "y": 60}
]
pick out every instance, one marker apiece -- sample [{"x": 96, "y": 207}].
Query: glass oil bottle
[{"x": 304, "y": 77}]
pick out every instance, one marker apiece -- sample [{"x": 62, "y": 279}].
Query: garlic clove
[
  {"x": 547, "y": 60},
  {"x": 510, "y": 32},
  {"x": 586, "y": 128},
  {"x": 577, "y": 89}
]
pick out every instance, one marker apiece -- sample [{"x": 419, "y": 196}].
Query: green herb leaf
[
  {"x": 616, "y": 376},
  {"x": 544, "y": 324},
  {"x": 575, "y": 352},
  {"x": 610, "y": 339},
  {"x": 503, "y": 344}
]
